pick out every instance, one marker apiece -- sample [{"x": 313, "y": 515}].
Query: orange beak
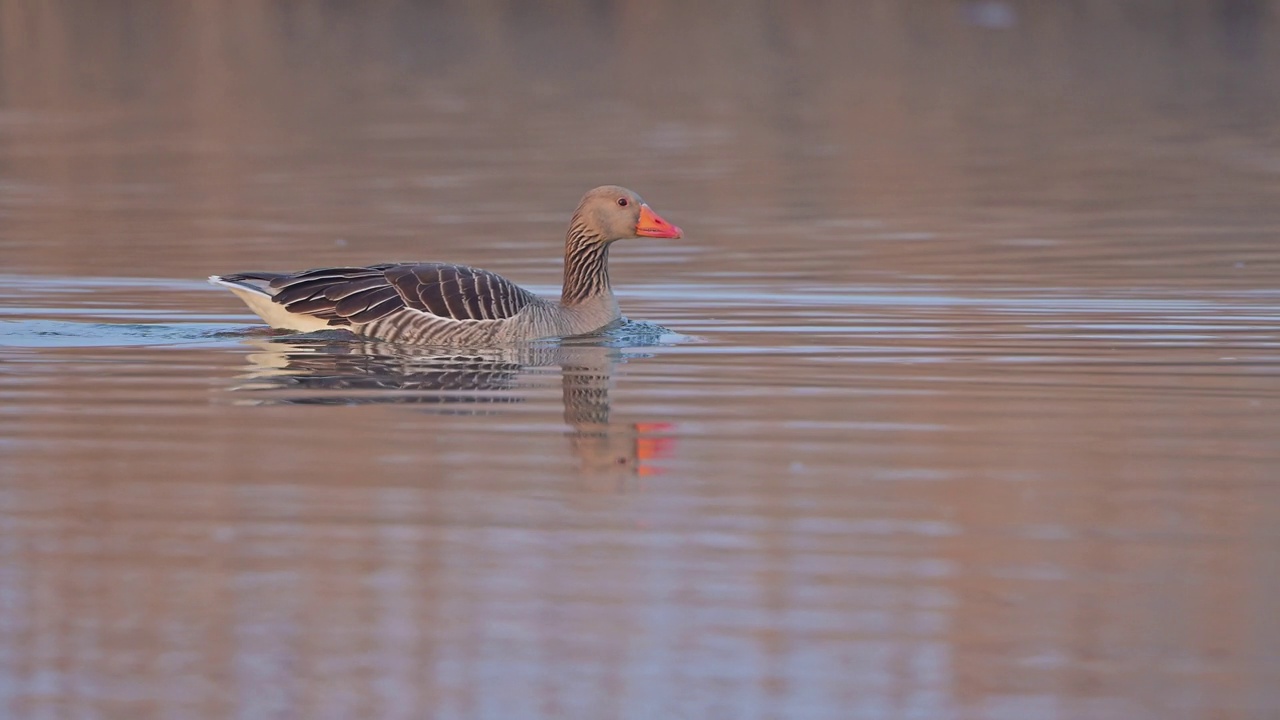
[{"x": 650, "y": 225}]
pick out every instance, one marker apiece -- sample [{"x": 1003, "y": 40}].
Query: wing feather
[
  {"x": 377, "y": 310},
  {"x": 346, "y": 289},
  {"x": 476, "y": 299},
  {"x": 364, "y": 299},
  {"x": 359, "y": 295},
  {"x": 431, "y": 298}
]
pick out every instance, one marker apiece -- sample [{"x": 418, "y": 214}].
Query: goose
[{"x": 456, "y": 305}]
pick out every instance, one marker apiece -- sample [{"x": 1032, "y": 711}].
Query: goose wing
[{"x": 360, "y": 295}]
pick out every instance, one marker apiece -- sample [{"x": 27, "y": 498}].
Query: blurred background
[
  {"x": 959, "y": 399},
  {"x": 172, "y": 140}
]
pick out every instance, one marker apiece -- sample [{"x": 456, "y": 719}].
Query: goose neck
[{"x": 586, "y": 267}]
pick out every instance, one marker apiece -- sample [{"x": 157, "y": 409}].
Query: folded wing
[{"x": 360, "y": 295}]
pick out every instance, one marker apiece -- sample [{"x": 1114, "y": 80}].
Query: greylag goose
[{"x": 442, "y": 304}]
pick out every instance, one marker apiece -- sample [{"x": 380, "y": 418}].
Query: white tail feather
[{"x": 275, "y": 315}]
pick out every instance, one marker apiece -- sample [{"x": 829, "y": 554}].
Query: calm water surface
[{"x": 960, "y": 399}]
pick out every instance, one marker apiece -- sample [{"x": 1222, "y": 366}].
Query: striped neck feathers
[{"x": 586, "y": 265}]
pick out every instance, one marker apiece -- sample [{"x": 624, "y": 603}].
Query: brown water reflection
[
  {"x": 346, "y": 372},
  {"x": 967, "y": 409}
]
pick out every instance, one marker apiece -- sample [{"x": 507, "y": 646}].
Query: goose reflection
[{"x": 306, "y": 371}]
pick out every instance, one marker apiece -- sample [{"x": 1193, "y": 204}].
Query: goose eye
[{"x": 623, "y": 202}]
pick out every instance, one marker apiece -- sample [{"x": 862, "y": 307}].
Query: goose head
[{"x": 610, "y": 213}]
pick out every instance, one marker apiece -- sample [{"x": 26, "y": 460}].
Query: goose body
[{"x": 444, "y": 304}]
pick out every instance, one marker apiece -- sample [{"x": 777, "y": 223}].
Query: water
[{"x": 959, "y": 399}]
